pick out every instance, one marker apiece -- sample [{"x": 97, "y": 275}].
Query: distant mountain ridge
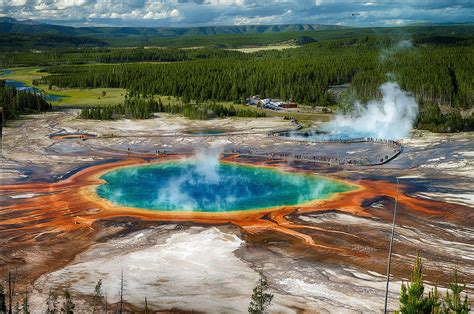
[{"x": 10, "y": 25}]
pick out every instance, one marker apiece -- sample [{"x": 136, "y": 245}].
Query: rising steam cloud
[
  {"x": 397, "y": 47},
  {"x": 204, "y": 170},
  {"x": 205, "y": 184},
  {"x": 390, "y": 118}
]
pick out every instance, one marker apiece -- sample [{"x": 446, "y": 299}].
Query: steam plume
[
  {"x": 207, "y": 163},
  {"x": 390, "y": 118},
  {"x": 205, "y": 169},
  {"x": 399, "y": 46}
]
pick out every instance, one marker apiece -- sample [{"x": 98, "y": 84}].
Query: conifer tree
[
  {"x": 51, "y": 303},
  {"x": 68, "y": 305},
  {"x": 434, "y": 301},
  {"x": 98, "y": 298},
  {"x": 453, "y": 302},
  {"x": 412, "y": 299},
  {"x": 261, "y": 300},
  {"x": 25, "y": 307}
]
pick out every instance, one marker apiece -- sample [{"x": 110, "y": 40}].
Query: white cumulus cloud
[{"x": 227, "y": 12}]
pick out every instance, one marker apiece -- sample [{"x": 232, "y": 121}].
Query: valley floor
[{"x": 201, "y": 267}]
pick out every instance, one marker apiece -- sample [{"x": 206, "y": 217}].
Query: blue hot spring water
[
  {"x": 215, "y": 187},
  {"x": 206, "y": 132},
  {"x": 23, "y": 87},
  {"x": 5, "y": 72}
]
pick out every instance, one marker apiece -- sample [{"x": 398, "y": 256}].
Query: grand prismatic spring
[
  {"x": 301, "y": 212},
  {"x": 182, "y": 213},
  {"x": 218, "y": 187}
]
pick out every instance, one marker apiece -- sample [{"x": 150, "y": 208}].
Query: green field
[
  {"x": 92, "y": 97},
  {"x": 433, "y": 64},
  {"x": 75, "y": 96},
  {"x": 264, "y": 48}
]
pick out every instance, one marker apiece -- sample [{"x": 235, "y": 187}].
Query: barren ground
[{"x": 213, "y": 268}]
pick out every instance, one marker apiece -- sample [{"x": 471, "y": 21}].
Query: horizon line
[{"x": 56, "y": 23}]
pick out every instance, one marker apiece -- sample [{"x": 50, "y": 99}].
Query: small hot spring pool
[
  {"x": 206, "y": 132},
  {"x": 212, "y": 187},
  {"x": 318, "y": 136}
]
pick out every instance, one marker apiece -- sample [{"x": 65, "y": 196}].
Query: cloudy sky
[{"x": 238, "y": 12}]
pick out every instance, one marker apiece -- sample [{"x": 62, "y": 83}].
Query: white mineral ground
[
  {"x": 26, "y": 143},
  {"x": 442, "y": 156},
  {"x": 196, "y": 269},
  {"x": 212, "y": 269}
]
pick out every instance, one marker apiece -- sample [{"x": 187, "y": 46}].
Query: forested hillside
[
  {"x": 436, "y": 74},
  {"x": 16, "y": 102},
  {"x": 111, "y": 55},
  {"x": 26, "y": 35},
  {"x": 144, "y": 107},
  {"x": 25, "y": 42},
  {"x": 436, "y": 69},
  {"x": 14, "y": 26}
]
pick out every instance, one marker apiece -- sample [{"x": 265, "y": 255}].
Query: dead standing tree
[
  {"x": 11, "y": 291},
  {"x": 120, "y": 309}
]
